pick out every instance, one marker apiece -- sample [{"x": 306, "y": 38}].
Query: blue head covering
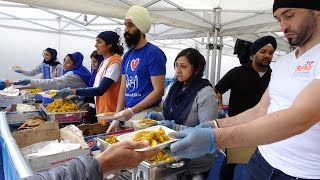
[
  {"x": 94, "y": 73},
  {"x": 79, "y": 69}
]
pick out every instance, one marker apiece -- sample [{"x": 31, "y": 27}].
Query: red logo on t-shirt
[
  {"x": 305, "y": 67},
  {"x": 134, "y": 64}
]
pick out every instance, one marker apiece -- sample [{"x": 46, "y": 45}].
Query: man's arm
[
  {"x": 156, "y": 94},
  {"x": 121, "y": 103},
  {"x": 251, "y": 114},
  {"x": 300, "y": 116}
]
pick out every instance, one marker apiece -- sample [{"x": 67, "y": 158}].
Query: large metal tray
[
  {"x": 152, "y": 171},
  {"x": 14, "y": 117},
  {"x": 63, "y": 117}
]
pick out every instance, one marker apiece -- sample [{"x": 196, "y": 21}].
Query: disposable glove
[
  {"x": 124, "y": 115},
  {"x": 23, "y": 82},
  {"x": 221, "y": 114},
  {"x": 167, "y": 123},
  {"x": 194, "y": 142},
  {"x": 114, "y": 126},
  {"x": 206, "y": 124},
  {"x": 18, "y": 70},
  {"x": 154, "y": 115},
  {"x": 62, "y": 93}
]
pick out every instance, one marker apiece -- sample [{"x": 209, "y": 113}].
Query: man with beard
[
  {"x": 285, "y": 124},
  {"x": 143, "y": 70},
  {"x": 247, "y": 84}
]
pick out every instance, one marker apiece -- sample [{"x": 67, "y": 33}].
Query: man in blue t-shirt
[{"x": 143, "y": 70}]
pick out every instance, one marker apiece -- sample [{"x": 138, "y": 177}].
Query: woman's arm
[
  {"x": 33, "y": 72},
  {"x": 96, "y": 91}
]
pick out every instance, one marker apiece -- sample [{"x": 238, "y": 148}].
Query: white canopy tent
[{"x": 172, "y": 20}]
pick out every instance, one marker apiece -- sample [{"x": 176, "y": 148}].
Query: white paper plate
[
  {"x": 49, "y": 93},
  {"x": 144, "y": 125},
  {"x": 107, "y": 115},
  {"x": 15, "y": 68},
  {"x": 129, "y": 137}
]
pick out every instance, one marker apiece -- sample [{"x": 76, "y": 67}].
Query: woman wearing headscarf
[
  {"x": 107, "y": 82},
  {"x": 50, "y": 66},
  {"x": 96, "y": 60},
  {"x": 191, "y": 100},
  {"x": 75, "y": 75}
]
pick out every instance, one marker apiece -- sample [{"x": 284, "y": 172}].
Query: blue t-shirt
[{"x": 138, "y": 65}]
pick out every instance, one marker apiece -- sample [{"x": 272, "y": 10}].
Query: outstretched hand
[{"x": 194, "y": 142}]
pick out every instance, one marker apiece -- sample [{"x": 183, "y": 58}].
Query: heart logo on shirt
[{"x": 134, "y": 64}]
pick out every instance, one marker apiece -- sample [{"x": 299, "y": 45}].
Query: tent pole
[
  {"x": 219, "y": 58},
  {"x": 206, "y": 74},
  {"x": 217, "y": 13}
]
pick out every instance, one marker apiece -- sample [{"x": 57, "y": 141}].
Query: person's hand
[
  {"x": 122, "y": 155},
  {"x": 18, "y": 70},
  {"x": 167, "y": 123},
  {"x": 194, "y": 142},
  {"x": 23, "y": 82},
  {"x": 62, "y": 93},
  {"x": 207, "y": 124},
  {"x": 221, "y": 114},
  {"x": 124, "y": 115},
  {"x": 114, "y": 126},
  {"x": 8, "y": 83},
  {"x": 154, "y": 115}
]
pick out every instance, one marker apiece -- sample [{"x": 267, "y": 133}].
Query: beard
[
  {"x": 305, "y": 31},
  {"x": 132, "y": 39}
]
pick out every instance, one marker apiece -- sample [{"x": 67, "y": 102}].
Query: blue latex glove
[
  {"x": 221, "y": 114},
  {"x": 193, "y": 143},
  {"x": 18, "y": 71},
  {"x": 206, "y": 125},
  {"x": 167, "y": 123},
  {"x": 62, "y": 93},
  {"x": 153, "y": 115},
  {"x": 23, "y": 82}
]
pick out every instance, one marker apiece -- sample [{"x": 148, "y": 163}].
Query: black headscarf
[
  {"x": 53, "y": 61},
  {"x": 180, "y": 98},
  {"x": 260, "y": 43}
]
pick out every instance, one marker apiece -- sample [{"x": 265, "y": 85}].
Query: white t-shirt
[
  {"x": 113, "y": 72},
  {"x": 297, "y": 156}
]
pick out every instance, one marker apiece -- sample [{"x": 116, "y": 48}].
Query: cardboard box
[
  {"x": 6, "y": 101},
  {"x": 46, "y": 132},
  {"x": 91, "y": 132}
]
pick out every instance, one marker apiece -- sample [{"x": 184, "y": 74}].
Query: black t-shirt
[{"x": 247, "y": 87}]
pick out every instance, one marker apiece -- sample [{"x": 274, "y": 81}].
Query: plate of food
[
  {"x": 106, "y": 115},
  {"x": 144, "y": 123},
  {"x": 49, "y": 93},
  {"x": 156, "y": 135}
]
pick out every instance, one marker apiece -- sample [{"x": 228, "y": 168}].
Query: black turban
[
  {"x": 109, "y": 37},
  {"x": 305, "y": 4},
  {"x": 260, "y": 43}
]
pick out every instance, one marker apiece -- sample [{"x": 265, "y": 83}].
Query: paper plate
[
  {"x": 138, "y": 123},
  {"x": 49, "y": 93},
  {"x": 107, "y": 115},
  {"x": 129, "y": 137}
]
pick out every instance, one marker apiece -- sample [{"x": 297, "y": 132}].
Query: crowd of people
[{"x": 272, "y": 112}]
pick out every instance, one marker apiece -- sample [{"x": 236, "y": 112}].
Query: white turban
[{"x": 139, "y": 17}]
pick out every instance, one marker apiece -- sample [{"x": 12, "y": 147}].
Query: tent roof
[{"x": 171, "y": 19}]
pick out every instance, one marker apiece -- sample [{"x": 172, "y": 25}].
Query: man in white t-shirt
[{"x": 285, "y": 123}]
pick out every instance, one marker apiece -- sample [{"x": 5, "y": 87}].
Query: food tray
[
  {"x": 63, "y": 117},
  {"x": 17, "y": 118}
]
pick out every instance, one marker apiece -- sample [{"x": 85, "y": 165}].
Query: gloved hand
[
  {"x": 124, "y": 115},
  {"x": 194, "y": 142},
  {"x": 167, "y": 123},
  {"x": 207, "y": 124},
  {"x": 221, "y": 114},
  {"x": 154, "y": 115},
  {"x": 23, "y": 82},
  {"x": 62, "y": 93},
  {"x": 114, "y": 126},
  {"x": 18, "y": 70}
]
